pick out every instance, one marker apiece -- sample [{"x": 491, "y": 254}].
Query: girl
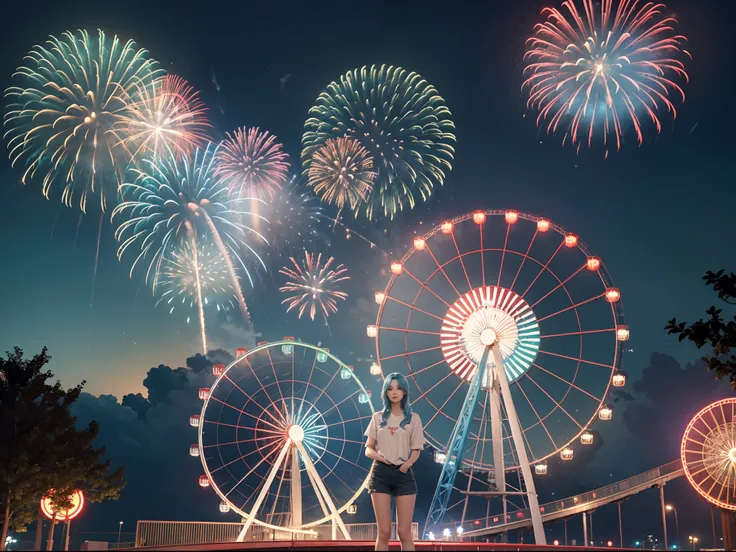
[{"x": 395, "y": 437}]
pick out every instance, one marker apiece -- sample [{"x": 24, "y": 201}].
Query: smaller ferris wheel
[
  {"x": 280, "y": 438},
  {"x": 708, "y": 453}
]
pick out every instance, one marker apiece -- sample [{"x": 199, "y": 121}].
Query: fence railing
[{"x": 162, "y": 533}]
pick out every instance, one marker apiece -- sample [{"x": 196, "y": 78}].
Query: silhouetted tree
[
  {"x": 715, "y": 331},
  {"x": 41, "y": 447}
]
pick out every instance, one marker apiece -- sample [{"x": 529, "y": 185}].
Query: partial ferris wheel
[{"x": 511, "y": 330}]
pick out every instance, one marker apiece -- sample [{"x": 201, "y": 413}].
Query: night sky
[{"x": 658, "y": 215}]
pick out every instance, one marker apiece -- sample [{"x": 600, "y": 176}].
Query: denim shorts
[{"x": 388, "y": 479}]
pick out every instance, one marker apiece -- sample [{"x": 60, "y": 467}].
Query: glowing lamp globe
[
  {"x": 440, "y": 457},
  {"x": 204, "y": 392},
  {"x": 566, "y": 454},
  {"x": 460, "y": 530},
  {"x": 622, "y": 333},
  {"x": 396, "y": 268},
  {"x": 593, "y": 264},
  {"x": 194, "y": 420},
  {"x": 194, "y": 450},
  {"x": 511, "y": 217},
  {"x": 224, "y": 507},
  {"x": 479, "y": 217},
  {"x": 605, "y": 413},
  {"x": 48, "y": 510},
  {"x": 240, "y": 351},
  {"x": 375, "y": 369},
  {"x": 609, "y": 544},
  {"x": 372, "y": 331},
  {"x": 586, "y": 438},
  {"x": 540, "y": 469},
  {"x": 446, "y": 227},
  {"x": 613, "y": 295},
  {"x": 364, "y": 398},
  {"x": 419, "y": 244},
  {"x": 619, "y": 379},
  {"x": 204, "y": 481},
  {"x": 218, "y": 369},
  {"x": 446, "y": 532},
  {"x": 380, "y": 297},
  {"x": 571, "y": 240},
  {"x": 542, "y": 225}
]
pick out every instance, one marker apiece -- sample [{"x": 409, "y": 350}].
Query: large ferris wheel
[
  {"x": 511, "y": 330},
  {"x": 280, "y": 438}
]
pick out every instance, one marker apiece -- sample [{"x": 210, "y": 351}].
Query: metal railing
[{"x": 162, "y": 533}]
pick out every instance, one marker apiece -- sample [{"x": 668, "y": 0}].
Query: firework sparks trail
[
  {"x": 314, "y": 285},
  {"x": 589, "y": 73}
]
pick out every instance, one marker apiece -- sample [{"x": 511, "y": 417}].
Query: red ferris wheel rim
[{"x": 617, "y": 316}]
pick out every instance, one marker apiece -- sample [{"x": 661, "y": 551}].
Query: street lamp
[
  {"x": 693, "y": 541},
  {"x": 671, "y": 508},
  {"x": 120, "y": 529}
]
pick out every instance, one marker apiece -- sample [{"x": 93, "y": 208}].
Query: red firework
[
  {"x": 165, "y": 115},
  {"x": 597, "y": 71},
  {"x": 252, "y": 164}
]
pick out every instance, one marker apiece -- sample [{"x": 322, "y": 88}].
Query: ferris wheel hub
[
  {"x": 296, "y": 433},
  {"x": 486, "y": 316},
  {"x": 488, "y": 337}
]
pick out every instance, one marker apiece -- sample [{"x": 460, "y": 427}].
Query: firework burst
[
  {"x": 597, "y": 71},
  {"x": 63, "y": 110},
  {"x": 177, "y": 282},
  {"x": 401, "y": 121},
  {"x": 341, "y": 172},
  {"x": 172, "y": 201},
  {"x": 296, "y": 217},
  {"x": 252, "y": 163},
  {"x": 162, "y": 116},
  {"x": 313, "y": 285}
]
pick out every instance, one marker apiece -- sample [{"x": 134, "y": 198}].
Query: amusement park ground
[{"x": 315, "y": 546}]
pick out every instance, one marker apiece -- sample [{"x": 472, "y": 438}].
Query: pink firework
[
  {"x": 252, "y": 164},
  {"x": 313, "y": 284},
  {"x": 165, "y": 115},
  {"x": 601, "y": 70}
]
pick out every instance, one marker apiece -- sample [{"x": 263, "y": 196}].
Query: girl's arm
[{"x": 372, "y": 453}]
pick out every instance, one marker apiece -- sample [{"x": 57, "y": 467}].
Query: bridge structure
[{"x": 580, "y": 504}]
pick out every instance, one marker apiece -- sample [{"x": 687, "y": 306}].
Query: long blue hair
[{"x": 405, "y": 402}]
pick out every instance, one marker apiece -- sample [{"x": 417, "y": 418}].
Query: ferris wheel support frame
[
  {"x": 297, "y": 449},
  {"x": 446, "y": 482},
  {"x": 500, "y": 391}
]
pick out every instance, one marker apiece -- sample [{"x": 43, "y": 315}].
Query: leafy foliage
[
  {"x": 716, "y": 331},
  {"x": 42, "y": 447}
]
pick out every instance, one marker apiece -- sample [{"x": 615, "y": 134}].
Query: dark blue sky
[{"x": 659, "y": 215}]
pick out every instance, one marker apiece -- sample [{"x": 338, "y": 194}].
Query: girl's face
[{"x": 395, "y": 393}]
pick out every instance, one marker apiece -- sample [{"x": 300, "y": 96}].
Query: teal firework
[
  {"x": 63, "y": 108},
  {"x": 174, "y": 201},
  {"x": 403, "y": 124}
]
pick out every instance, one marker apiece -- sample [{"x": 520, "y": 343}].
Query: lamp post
[
  {"x": 120, "y": 529},
  {"x": 693, "y": 541},
  {"x": 671, "y": 508}
]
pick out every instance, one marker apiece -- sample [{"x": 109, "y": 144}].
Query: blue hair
[{"x": 405, "y": 402}]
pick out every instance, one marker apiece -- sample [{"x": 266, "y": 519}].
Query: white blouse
[{"x": 395, "y": 443}]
